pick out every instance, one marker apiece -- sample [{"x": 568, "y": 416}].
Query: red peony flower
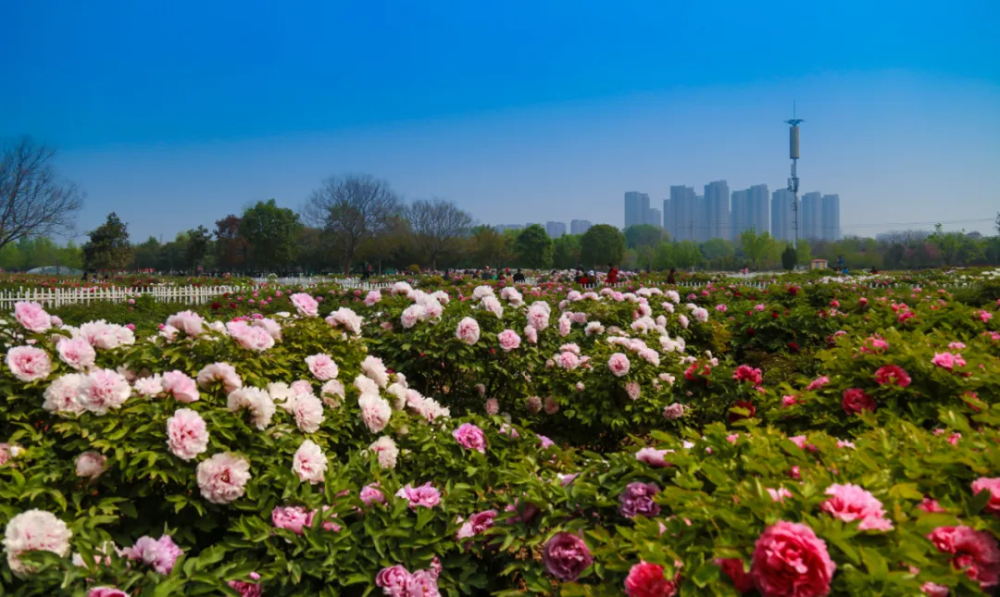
[
  {"x": 733, "y": 567},
  {"x": 745, "y": 405},
  {"x": 855, "y": 401},
  {"x": 892, "y": 375},
  {"x": 647, "y": 580}
]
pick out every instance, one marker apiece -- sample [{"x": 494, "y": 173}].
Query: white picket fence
[
  {"x": 57, "y": 297},
  {"x": 293, "y": 281}
]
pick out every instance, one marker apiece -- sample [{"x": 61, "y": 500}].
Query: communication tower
[{"x": 793, "y": 180}]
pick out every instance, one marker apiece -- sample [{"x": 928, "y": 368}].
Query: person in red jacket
[{"x": 612, "y": 277}]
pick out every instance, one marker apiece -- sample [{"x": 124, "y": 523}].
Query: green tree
[
  {"x": 602, "y": 244},
  {"x": 663, "y": 257},
  {"x": 803, "y": 252},
  {"x": 566, "y": 251},
  {"x": 687, "y": 254},
  {"x": 270, "y": 231},
  {"x": 146, "y": 255},
  {"x": 643, "y": 235},
  {"x": 533, "y": 247},
  {"x": 718, "y": 250},
  {"x": 198, "y": 245},
  {"x": 487, "y": 246},
  {"x": 108, "y": 247},
  {"x": 755, "y": 246},
  {"x": 788, "y": 257}
]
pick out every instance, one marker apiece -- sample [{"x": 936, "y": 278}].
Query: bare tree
[
  {"x": 437, "y": 226},
  {"x": 33, "y": 200},
  {"x": 351, "y": 210}
]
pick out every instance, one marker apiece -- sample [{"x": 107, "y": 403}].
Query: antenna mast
[{"x": 793, "y": 181}]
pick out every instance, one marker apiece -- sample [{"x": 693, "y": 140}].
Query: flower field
[{"x": 813, "y": 437}]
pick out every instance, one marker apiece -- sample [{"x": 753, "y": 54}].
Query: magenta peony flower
[
  {"x": 183, "y": 388},
  {"x": 32, "y": 316},
  {"x": 106, "y": 592},
  {"x": 477, "y": 523},
  {"x": 855, "y": 400},
  {"x": 187, "y": 434},
  {"x": 470, "y": 437},
  {"x": 425, "y": 495},
  {"x": 371, "y": 494},
  {"x": 309, "y": 462},
  {"x": 76, "y": 352},
  {"x": 733, "y": 568},
  {"x": 637, "y": 500},
  {"x": 28, "y": 363},
  {"x": 247, "y": 589},
  {"x": 102, "y": 390},
  {"x": 790, "y": 560},
  {"x": 566, "y": 556},
  {"x": 618, "y": 364},
  {"x": 509, "y": 340},
  {"x": 91, "y": 465},
  {"x": 975, "y": 552},
  {"x": 306, "y": 305},
  {"x": 852, "y": 503},
  {"x": 647, "y": 580},
  {"x": 892, "y": 375},
  {"x": 393, "y": 581},
  {"x": 160, "y": 554},
  {"x": 991, "y": 485},
  {"x": 468, "y": 331},
  {"x": 748, "y": 373},
  {"x": 818, "y": 383},
  {"x": 223, "y": 477},
  {"x": 322, "y": 367}
]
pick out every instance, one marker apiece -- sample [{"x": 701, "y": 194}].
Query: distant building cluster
[{"x": 719, "y": 213}]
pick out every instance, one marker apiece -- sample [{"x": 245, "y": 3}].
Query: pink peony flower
[
  {"x": 618, "y": 364},
  {"x": 892, "y": 375},
  {"x": 470, "y": 437},
  {"x": 818, "y": 383},
  {"x": 423, "y": 496},
  {"x": 183, "y": 388},
  {"x": 674, "y": 411},
  {"x": 188, "y": 322},
  {"x": 257, "y": 401},
  {"x": 32, "y": 316},
  {"x": 946, "y": 360},
  {"x": 306, "y": 305},
  {"x": 468, "y": 331},
  {"x": 509, "y": 340},
  {"x": 34, "y": 530},
  {"x": 223, "y": 477},
  {"x": 160, "y": 554},
  {"x": 106, "y": 592},
  {"x": 28, "y": 363},
  {"x": 975, "y": 552},
  {"x": 91, "y": 465},
  {"x": 61, "y": 395},
  {"x": 748, "y": 373},
  {"x": 309, "y": 463},
  {"x": 648, "y": 580},
  {"x": 394, "y": 581},
  {"x": 551, "y": 405},
  {"x": 930, "y": 505},
  {"x": 375, "y": 412},
  {"x": 779, "y": 494},
  {"x": 855, "y": 400},
  {"x": 371, "y": 494},
  {"x": 308, "y": 412},
  {"x": 790, "y": 560},
  {"x": 187, "y": 434},
  {"x": 477, "y": 523},
  {"x": 250, "y": 337},
  {"x": 385, "y": 451},
  {"x": 634, "y": 390},
  {"x": 566, "y": 556},
  {"x": 787, "y": 401},
  {"x": 292, "y": 518},
  {"x": 637, "y": 500},
  {"x": 653, "y": 457},
  {"x": 375, "y": 370},
  {"x": 223, "y": 372},
  {"x": 991, "y": 485},
  {"x": 76, "y": 352},
  {"x": 492, "y": 406},
  {"x": 852, "y": 503},
  {"x": 247, "y": 589},
  {"x": 322, "y": 367},
  {"x": 102, "y": 390}
]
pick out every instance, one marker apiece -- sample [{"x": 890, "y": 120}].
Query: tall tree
[
  {"x": 231, "y": 248},
  {"x": 533, "y": 247},
  {"x": 270, "y": 231},
  {"x": 33, "y": 200},
  {"x": 147, "y": 255},
  {"x": 108, "y": 247},
  {"x": 199, "y": 242},
  {"x": 755, "y": 246},
  {"x": 488, "y": 247},
  {"x": 602, "y": 244},
  {"x": 352, "y": 209},
  {"x": 437, "y": 226},
  {"x": 643, "y": 235},
  {"x": 566, "y": 251}
]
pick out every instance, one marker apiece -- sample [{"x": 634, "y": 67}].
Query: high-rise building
[
  {"x": 758, "y": 202},
  {"x": 501, "y": 227},
  {"x": 679, "y": 215},
  {"x": 830, "y": 217},
  {"x": 654, "y": 217},
  {"x": 717, "y": 212},
  {"x": 636, "y": 208},
  {"x": 810, "y": 227},
  {"x": 700, "y": 219},
  {"x": 555, "y": 229},
  {"x": 783, "y": 215},
  {"x": 579, "y": 226},
  {"x": 740, "y": 213}
]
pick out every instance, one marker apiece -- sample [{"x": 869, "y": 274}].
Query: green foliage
[
  {"x": 643, "y": 235},
  {"x": 108, "y": 247},
  {"x": 533, "y": 247},
  {"x": 566, "y": 251},
  {"x": 602, "y": 244},
  {"x": 270, "y": 231},
  {"x": 788, "y": 258}
]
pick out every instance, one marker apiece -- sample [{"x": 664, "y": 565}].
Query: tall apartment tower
[
  {"x": 740, "y": 213},
  {"x": 783, "y": 215},
  {"x": 679, "y": 213},
  {"x": 758, "y": 203},
  {"x": 579, "y": 226},
  {"x": 718, "y": 224},
  {"x": 809, "y": 226},
  {"x": 830, "y": 217},
  {"x": 636, "y": 208},
  {"x": 654, "y": 217},
  {"x": 555, "y": 229}
]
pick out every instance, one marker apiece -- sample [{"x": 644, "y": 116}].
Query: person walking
[{"x": 612, "y": 277}]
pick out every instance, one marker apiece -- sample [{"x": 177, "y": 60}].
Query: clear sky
[{"x": 177, "y": 113}]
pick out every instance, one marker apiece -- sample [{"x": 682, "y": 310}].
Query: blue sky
[{"x": 176, "y": 114}]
